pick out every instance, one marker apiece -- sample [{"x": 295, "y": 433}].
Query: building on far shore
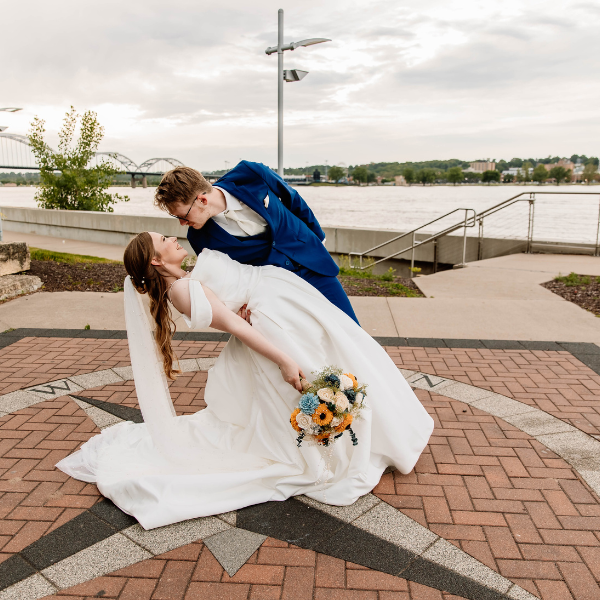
[
  {"x": 479, "y": 166},
  {"x": 399, "y": 180},
  {"x": 563, "y": 162}
]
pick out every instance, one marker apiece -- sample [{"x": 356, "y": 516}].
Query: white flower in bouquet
[
  {"x": 325, "y": 395},
  {"x": 341, "y": 402},
  {"x": 346, "y": 383},
  {"x": 304, "y": 421},
  {"x": 336, "y": 421},
  {"x": 359, "y": 398}
]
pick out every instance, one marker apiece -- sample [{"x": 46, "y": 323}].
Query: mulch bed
[
  {"x": 78, "y": 277},
  {"x": 586, "y": 296},
  {"x": 107, "y": 277},
  {"x": 399, "y": 286}
]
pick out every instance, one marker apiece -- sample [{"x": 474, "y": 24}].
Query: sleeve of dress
[{"x": 201, "y": 311}]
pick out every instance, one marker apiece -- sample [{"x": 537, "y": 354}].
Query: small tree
[
  {"x": 559, "y": 174},
  {"x": 472, "y": 176},
  {"x": 336, "y": 173},
  {"x": 409, "y": 175},
  {"x": 508, "y": 178},
  {"x": 360, "y": 174},
  {"x": 455, "y": 175},
  {"x": 540, "y": 174},
  {"x": 590, "y": 173},
  {"x": 76, "y": 186},
  {"x": 489, "y": 176},
  {"x": 426, "y": 176}
]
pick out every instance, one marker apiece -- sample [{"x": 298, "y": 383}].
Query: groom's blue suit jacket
[{"x": 294, "y": 236}]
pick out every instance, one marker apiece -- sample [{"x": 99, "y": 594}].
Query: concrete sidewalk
[{"x": 499, "y": 298}]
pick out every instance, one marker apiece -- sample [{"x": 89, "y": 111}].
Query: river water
[{"x": 572, "y": 217}]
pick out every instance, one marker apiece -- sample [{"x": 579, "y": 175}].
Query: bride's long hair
[{"x": 147, "y": 280}]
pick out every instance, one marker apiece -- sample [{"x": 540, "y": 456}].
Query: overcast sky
[{"x": 401, "y": 80}]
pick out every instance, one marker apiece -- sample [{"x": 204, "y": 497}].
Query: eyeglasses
[{"x": 186, "y": 214}]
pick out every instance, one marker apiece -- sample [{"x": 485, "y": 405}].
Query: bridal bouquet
[{"x": 328, "y": 406}]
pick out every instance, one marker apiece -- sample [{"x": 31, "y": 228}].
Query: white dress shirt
[{"x": 243, "y": 212}]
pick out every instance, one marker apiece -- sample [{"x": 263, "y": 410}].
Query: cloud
[{"x": 409, "y": 79}]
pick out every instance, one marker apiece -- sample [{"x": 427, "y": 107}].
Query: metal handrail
[
  {"x": 416, "y": 244},
  {"x": 469, "y": 221}
]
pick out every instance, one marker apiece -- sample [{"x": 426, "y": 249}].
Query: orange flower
[
  {"x": 353, "y": 379},
  {"x": 293, "y": 420},
  {"x": 322, "y": 416},
  {"x": 322, "y": 436},
  {"x": 345, "y": 423}
]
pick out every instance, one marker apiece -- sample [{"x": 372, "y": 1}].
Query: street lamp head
[
  {"x": 294, "y": 74},
  {"x": 10, "y": 109},
  {"x": 308, "y": 42}
]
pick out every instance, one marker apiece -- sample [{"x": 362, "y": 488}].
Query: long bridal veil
[
  {"x": 150, "y": 382},
  {"x": 182, "y": 441}
]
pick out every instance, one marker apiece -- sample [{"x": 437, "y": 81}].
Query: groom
[{"x": 256, "y": 218}]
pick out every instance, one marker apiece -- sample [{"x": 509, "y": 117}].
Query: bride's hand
[
  {"x": 291, "y": 373},
  {"x": 245, "y": 313}
]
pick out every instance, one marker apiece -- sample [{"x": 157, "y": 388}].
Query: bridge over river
[{"x": 15, "y": 153}]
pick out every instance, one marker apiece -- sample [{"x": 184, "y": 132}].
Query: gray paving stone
[
  {"x": 464, "y": 392},
  {"x": 344, "y": 513},
  {"x": 229, "y": 517},
  {"x": 577, "y": 448},
  {"x": 100, "y": 417},
  {"x": 424, "y": 381},
  {"x": 501, "y": 406},
  {"x": 518, "y": 593},
  {"x": 163, "y": 539},
  {"x": 125, "y": 373},
  {"x": 206, "y": 363},
  {"x": 17, "y": 400},
  {"x": 233, "y": 548},
  {"x": 32, "y": 588},
  {"x": 406, "y": 373},
  {"x": 96, "y": 379},
  {"x": 388, "y": 523},
  {"x": 448, "y": 555},
  {"x": 54, "y": 389},
  {"x": 539, "y": 423},
  {"x": 115, "y": 552},
  {"x": 188, "y": 365}
]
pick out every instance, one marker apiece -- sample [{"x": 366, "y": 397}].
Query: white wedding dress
[{"x": 241, "y": 449}]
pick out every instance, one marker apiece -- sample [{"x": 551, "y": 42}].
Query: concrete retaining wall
[{"x": 108, "y": 228}]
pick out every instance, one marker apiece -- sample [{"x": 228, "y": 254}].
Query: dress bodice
[{"x": 232, "y": 282}]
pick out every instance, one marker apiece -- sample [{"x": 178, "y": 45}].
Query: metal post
[
  {"x": 280, "y": 93},
  {"x": 530, "y": 226},
  {"x": 480, "y": 249},
  {"x": 412, "y": 256},
  {"x": 596, "y": 251},
  {"x": 464, "y": 260}
]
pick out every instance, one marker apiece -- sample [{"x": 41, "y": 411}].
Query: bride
[{"x": 241, "y": 449}]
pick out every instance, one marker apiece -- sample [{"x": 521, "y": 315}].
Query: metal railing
[
  {"x": 468, "y": 221},
  {"x": 471, "y": 218}
]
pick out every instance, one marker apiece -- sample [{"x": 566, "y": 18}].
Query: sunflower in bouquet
[{"x": 328, "y": 406}]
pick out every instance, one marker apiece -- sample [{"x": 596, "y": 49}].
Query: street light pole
[
  {"x": 292, "y": 75},
  {"x": 280, "y": 92}
]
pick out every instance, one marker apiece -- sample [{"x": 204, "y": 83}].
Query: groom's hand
[{"x": 245, "y": 313}]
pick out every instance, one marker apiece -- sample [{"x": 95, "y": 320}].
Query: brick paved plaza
[{"x": 484, "y": 485}]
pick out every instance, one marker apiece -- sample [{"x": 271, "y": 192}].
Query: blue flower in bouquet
[
  {"x": 351, "y": 395},
  {"x": 308, "y": 403},
  {"x": 332, "y": 380}
]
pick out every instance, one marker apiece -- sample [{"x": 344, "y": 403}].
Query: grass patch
[
  {"x": 573, "y": 279},
  {"x": 65, "y": 257}
]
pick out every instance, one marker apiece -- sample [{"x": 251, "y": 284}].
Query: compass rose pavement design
[{"x": 504, "y": 502}]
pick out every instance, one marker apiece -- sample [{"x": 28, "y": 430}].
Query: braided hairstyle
[{"x": 147, "y": 280}]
